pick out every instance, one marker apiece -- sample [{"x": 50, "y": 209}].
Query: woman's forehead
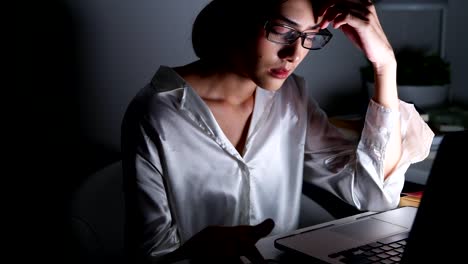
[{"x": 296, "y": 12}]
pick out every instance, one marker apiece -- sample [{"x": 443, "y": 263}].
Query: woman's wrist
[
  {"x": 386, "y": 93},
  {"x": 386, "y": 69}
]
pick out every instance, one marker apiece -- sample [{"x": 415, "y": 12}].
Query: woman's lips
[{"x": 280, "y": 73}]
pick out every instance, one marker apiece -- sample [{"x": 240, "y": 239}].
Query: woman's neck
[{"x": 216, "y": 83}]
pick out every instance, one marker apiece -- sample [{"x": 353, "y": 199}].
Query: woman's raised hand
[{"x": 359, "y": 22}]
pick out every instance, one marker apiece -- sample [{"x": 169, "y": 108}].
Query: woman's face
[{"x": 268, "y": 64}]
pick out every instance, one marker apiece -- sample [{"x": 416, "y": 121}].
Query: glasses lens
[
  {"x": 282, "y": 35},
  {"x": 316, "y": 41},
  {"x": 285, "y": 35}
]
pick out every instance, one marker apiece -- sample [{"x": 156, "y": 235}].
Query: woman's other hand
[{"x": 225, "y": 244}]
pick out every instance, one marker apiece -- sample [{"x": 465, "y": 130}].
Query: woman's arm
[
  {"x": 358, "y": 20},
  {"x": 150, "y": 230},
  {"x": 355, "y": 173}
]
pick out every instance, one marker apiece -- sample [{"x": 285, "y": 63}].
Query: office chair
[{"x": 97, "y": 218}]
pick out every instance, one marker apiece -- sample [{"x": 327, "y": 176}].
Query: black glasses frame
[{"x": 303, "y": 35}]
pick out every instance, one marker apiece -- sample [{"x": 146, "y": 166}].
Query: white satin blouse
[{"x": 185, "y": 174}]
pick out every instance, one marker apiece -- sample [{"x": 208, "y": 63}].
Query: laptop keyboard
[{"x": 387, "y": 251}]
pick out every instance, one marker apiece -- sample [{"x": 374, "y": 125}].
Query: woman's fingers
[
  {"x": 352, "y": 34},
  {"x": 228, "y": 243},
  {"x": 343, "y": 11},
  {"x": 262, "y": 229},
  {"x": 349, "y": 18},
  {"x": 329, "y": 16},
  {"x": 251, "y": 234},
  {"x": 256, "y": 233}
]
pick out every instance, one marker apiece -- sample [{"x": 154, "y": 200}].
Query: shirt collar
[{"x": 167, "y": 80}]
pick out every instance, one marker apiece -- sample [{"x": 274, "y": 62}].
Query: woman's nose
[{"x": 292, "y": 52}]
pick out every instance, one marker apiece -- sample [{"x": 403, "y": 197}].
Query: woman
[{"x": 215, "y": 152}]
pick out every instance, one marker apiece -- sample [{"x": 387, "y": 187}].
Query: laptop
[{"x": 401, "y": 235}]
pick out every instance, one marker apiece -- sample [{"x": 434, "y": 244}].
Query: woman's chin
[
  {"x": 268, "y": 81},
  {"x": 272, "y": 84}
]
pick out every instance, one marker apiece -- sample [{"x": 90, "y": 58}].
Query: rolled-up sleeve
[{"x": 355, "y": 174}]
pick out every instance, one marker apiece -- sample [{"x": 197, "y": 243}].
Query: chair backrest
[{"x": 97, "y": 217}]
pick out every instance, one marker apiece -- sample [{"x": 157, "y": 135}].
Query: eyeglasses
[{"x": 286, "y": 35}]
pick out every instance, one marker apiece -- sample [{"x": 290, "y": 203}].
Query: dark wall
[{"x": 45, "y": 140}]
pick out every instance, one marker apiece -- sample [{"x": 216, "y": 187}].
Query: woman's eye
[
  {"x": 310, "y": 37},
  {"x": 280, "y": 30}
]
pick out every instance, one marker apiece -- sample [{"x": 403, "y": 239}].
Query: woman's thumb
[{"x": 264, "y": 228}]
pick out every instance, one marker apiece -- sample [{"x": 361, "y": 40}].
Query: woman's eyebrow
[{"x": 293, "y": 23}]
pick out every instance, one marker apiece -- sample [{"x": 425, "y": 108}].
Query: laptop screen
[{"x": 438, "y": 220}]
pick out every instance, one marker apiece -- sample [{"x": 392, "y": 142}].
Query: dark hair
[{"x": 224, "y": 25}]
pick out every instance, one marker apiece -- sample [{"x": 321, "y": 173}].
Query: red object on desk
[
  {"x": 417, "y": 194},
  {"x": 411, "y": 198}
]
